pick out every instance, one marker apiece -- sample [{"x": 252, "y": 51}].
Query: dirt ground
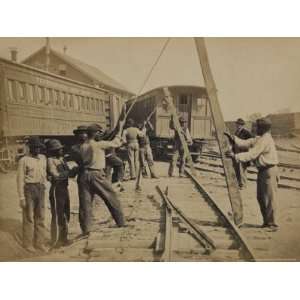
[{"x": 283, "y": 245}]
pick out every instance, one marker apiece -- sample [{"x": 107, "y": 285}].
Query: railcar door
[
  {"x": 183, "y": 106},
  {"x": 201, "y": 126}
]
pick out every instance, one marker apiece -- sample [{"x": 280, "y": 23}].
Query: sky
[{"x": 251, "y": 74}]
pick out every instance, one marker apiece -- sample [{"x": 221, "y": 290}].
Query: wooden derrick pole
[
  {"x": 171, "y": 108},
  {"x": 232, "y": 185}
]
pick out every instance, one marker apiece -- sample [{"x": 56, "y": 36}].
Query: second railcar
[
  {"x": 190, "y": 102},
  {"x": 35, "y": 102}
]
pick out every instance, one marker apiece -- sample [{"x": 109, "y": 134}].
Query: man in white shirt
[
  {"x": 93, "y": 179},
  {"x": 262, "y": 151},
  {"x": 31, "y": 178}
]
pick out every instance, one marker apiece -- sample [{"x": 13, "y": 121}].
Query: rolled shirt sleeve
[
  {"x": 115, "y": 143},
  {"x": 244, "y": 144},
  {"x": 253, "y": 152}
]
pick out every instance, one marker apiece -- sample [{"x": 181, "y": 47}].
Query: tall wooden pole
[{"x": 232, "y": 185}]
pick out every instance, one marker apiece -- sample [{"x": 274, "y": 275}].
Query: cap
[
  {"x": 54, "y": 145},
  {"x": 94, "y": 128},
  {"x": 34, "y": 141},
  {"x": 240, "y": 121},
  {"x": 81, "y": 128}
]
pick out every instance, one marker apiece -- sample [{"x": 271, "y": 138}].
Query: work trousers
[
  {"x": 34, "y": 215},
  {"x": 267, "y": 180},
  {"x": 241, "y": 173},
  {"x": 146, "y": 157},
  {"x": 133, "y": 158},
  {"x": 178, "y": 153},
  {"x": 114, "y": 163},
  {"x": 60, "y": 212},
  {"x": 93, "y": 182}
]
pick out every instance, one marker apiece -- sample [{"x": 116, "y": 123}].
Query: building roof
[{"x": 90, "y": 71}]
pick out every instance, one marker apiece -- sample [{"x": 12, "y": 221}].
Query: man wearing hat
[
  {"x": 93, "y": 180},
  {"x": 58, "y": 173},
  {"x": 178, "y": 148},
  {"x": 31, "y": 178},
  {"x": 130, "y": 137},
  {"x": 240, "y": 167},
  {"x": 262, "y": 151}
]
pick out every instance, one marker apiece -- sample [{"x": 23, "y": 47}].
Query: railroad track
[
  {"x": 196, "y": 228},
  {"x": 287, "y": 182}
]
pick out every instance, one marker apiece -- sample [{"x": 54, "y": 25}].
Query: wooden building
[{"x": 285, "y": 124}]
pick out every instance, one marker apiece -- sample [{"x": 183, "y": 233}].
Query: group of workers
[{"x": 100, "y": 171}]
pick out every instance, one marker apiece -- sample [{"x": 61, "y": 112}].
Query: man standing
[
  {"x": 262, "y": 151},
  {"x": 240, "y": 167},
  {"x": 58, "y": 174},
  {"x": 178, "y": 150},
  {"x": 145, "y": 152},
  {"x": 93, "y": 180},
  {"x": 130, "y": 137},
  {"x": 31, "y": 178}
]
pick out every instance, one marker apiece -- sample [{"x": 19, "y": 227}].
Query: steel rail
[
  {"x": 231, "y": 226},
  {"x": 198, "y": 234}
]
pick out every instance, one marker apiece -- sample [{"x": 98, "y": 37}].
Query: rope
[{"x": 148, "y": 76}]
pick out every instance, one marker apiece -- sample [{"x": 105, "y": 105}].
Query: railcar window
[
  {"x": 87, "y": 104},
  {"x": 22, "y": 91},
  {"x": 76, "y": 102},
  {"x": 64, "y": 99},
  {"x": 93, "y": 104},
  {"x": 83, "y": 102},
  {"x": 97, "y": 105},
  {"x": 41, "y": 94},
  {"x": 31, "y": 94},
  {"x": 49, "y": 96},
  {"x": 183, "y": 100},
  {"x": 71, "y": 101},
  {"x": 58, "y": 98},
  {"x": 12, "y": 91}
]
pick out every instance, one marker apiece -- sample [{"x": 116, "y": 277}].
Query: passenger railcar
[
  {"x": 35, "y": 102},
  {"x": 190, "y": 102}
]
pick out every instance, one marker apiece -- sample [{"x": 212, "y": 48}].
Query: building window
[
  {"x": 22, "y": 91},
  {"x": 183, "y": 100},
  {"x": 31, "y": 94},
  {"x": 12, "y": 92}
]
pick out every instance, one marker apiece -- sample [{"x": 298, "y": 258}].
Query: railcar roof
[{"x": 30, "y": 68}]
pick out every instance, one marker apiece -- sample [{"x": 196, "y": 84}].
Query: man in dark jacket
[{"x": 241, "y": 167}]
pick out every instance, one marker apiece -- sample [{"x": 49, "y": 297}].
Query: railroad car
[
  {"x": 190, "y": 102},
  {"x": 36, "y": 102}
]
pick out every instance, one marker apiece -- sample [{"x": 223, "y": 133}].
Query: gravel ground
[{"x": 283, "y": 245}]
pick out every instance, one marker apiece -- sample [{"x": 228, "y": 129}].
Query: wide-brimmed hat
[
  {"x": 34, "y": 141},
  {"x": 240, "y": 121},
  {"x": 54, "y": 145},
  {"x": 94, "y": 128},
  {"x": 81, "y": 128}
]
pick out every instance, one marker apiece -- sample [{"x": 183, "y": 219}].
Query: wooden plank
[
  {"x": 177, "y": 126},
  {"x": 232, "y": 184}
]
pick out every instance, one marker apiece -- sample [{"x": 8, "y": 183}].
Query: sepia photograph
[{"x": 149, "y": 149}]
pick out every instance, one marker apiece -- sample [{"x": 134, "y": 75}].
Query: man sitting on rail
[
  {"x": 93, "y": 180},
  {"x": 262, "y": 151},
  {"x": 178, "y": 150},
  {"x": 130, "y": 137}
]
